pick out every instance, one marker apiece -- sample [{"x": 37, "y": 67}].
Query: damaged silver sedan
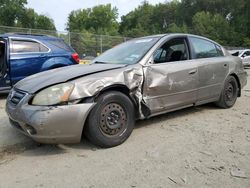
[{"x": 138, "y": 79}]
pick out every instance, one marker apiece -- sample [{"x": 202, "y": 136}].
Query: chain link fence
[{"x": 85, "y": 44}]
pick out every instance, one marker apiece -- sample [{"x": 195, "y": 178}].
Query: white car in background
[{"x": 244, "y": 55}]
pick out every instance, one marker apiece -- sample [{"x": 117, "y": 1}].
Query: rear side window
[
  {"x": 61, "y": 44},
  {"x": 26, "y": 46},
  {"x": 205, "y": 49}
]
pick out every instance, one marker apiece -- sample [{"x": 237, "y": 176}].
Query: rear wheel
[
  {"x": 111, "y": 121},
  {"x": 229, "y": 93}
]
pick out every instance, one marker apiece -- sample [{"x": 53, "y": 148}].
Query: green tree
[
  {"x": 14, "y": 13},
  {"x": 27, "y": 19},
  {"x": 226, "y": 21},
  {"x": 138, "y": 22},
  {"x": 215, "y": 27},
  {"x": 234, "y": 15},
  {"x": 173, "y": 28},
  {"x": 165, "y": 17},
  {"x": 30, "y": 19},
  {"x": 149, "y": 19},
  {"x": 101, "y": 19},
  {"x": 44, "y": 22},
  {"x": 11, "y": 11}
]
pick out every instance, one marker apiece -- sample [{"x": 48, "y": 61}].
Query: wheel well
[
  {"x": 121, "y": 88},
  {"x": 57, "y": 66},
  {"x": 238, "y": 82}
]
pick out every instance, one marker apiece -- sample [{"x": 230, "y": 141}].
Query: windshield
[{"x": 129, "y": 52}]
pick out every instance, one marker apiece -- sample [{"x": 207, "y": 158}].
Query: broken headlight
[{"x": 57, "y": 94}]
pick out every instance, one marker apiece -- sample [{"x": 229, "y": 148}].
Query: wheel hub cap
[
  {"x": 113, "y": 119},
  {"x": 230, "y": 92}
]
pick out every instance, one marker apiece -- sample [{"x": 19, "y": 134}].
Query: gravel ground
[{"x": 196, "y": 147}]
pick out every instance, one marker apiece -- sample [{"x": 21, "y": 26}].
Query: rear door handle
[{"x": 192, "y": 71}]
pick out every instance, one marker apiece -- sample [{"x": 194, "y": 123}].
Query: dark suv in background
[{"x": 22, "y": 55}]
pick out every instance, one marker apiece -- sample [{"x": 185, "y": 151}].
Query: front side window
[
  {"x": 173, "y": 50},
  {"x": 204, "y": 49},
  {"x": 25, "y": 46}
]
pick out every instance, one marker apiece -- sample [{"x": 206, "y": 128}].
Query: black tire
[
  {"x": 229, "y": 93},
  {"x": 111, "y": 121}
]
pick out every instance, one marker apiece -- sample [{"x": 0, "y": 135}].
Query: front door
[{"x": 171, "y": 81}]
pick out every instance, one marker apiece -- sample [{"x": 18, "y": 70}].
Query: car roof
[
  {"x": 177, "y": 35},
  {"x": 29, "y": 36}
]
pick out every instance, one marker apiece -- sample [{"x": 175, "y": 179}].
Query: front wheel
[
  {"x": 229, "y": 93},
  {"x": 111, "y": 121}
]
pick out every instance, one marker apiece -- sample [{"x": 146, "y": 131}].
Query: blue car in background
[{"x": 22, "y": 55}]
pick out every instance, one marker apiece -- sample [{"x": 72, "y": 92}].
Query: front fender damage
[{"x": 130, "y": 77}]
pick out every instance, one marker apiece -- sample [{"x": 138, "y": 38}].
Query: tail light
[{"x": 75, "y": 56}]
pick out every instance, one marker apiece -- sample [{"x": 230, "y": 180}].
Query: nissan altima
[{"x": 138, "y": 79}]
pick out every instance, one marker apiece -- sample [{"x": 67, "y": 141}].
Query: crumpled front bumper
[{"x": 49, "y": 124}]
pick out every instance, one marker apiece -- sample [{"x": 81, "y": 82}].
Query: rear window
[
  {"x": 61, "y": 44},
  {"x": 205, "y": 49},
  {"x": 26, "y": 46}
]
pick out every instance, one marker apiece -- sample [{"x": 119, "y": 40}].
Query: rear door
[
  {"x": 26, "y": 57},
  {"x": 62, "y": 52},
  {"x": 171, "y": 81},
  {"x": 212, "y": 68}
]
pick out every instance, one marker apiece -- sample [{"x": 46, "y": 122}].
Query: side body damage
[
  {"x": 129, "y": 79},
  {"x": 154, "y": 88}
]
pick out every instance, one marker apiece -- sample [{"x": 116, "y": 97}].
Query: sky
[{"x": 59, "y": 10}]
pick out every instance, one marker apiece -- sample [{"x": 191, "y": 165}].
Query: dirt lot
[{"x": 196, "y": 147}]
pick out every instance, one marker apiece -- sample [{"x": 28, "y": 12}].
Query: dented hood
[{"x": 41, "y": 80}]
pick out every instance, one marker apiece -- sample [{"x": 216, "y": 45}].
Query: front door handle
[{"x": 192, "y": 71}]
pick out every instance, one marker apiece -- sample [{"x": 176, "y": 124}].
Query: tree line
[
  {"x": 225, "y": 21},
  {"x": 14, "y": 13}
]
